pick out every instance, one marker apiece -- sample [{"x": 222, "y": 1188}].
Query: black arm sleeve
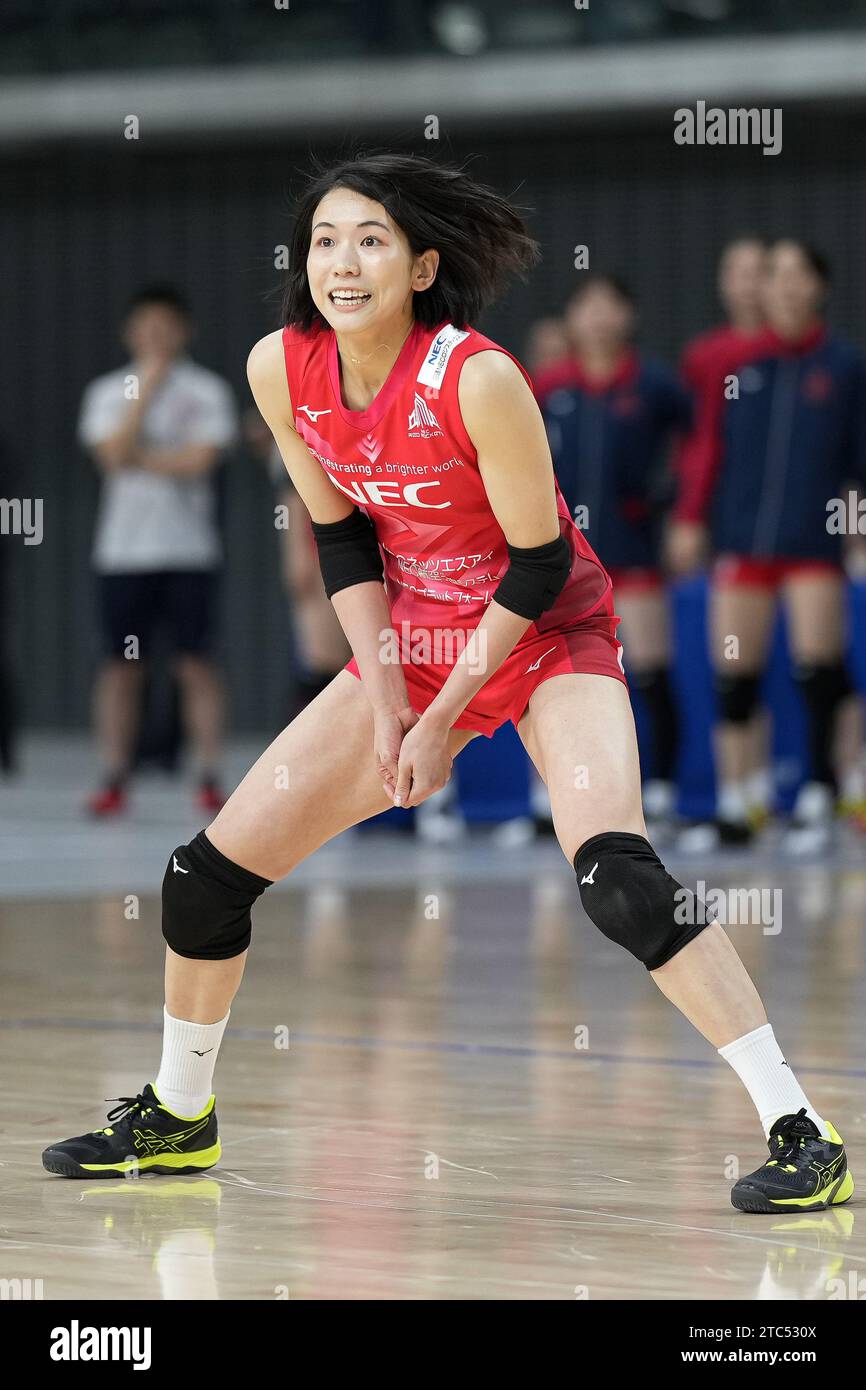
[
  {"x": 348, "y": 552},
  {"x": 534, "y": 578}
]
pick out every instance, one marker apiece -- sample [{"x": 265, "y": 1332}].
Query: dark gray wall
[{"x": 83, "y": 228}]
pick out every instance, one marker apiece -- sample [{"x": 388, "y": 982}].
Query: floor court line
[{"x": 411, "y": 1045}]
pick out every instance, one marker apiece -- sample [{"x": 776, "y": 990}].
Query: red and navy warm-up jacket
[
  {"x": 608, "y": 441},
  {"x": 760, "y": 468}
]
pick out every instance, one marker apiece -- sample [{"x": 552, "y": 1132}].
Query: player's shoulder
[
  {"x": 269, "y": 354},
  {"x": 203, "y": 380},
  {"x": 703, "y": 351},
  {"x": 488, "y": 367},
  {"x": 264, "y": 354},
  {"x": 710, "y": 339},
  {"x": 491, "y": 386},
  {"x": 109, "y": 384}
]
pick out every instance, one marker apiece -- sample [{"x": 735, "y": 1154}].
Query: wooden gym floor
[{"x": 432, "y": 1130}]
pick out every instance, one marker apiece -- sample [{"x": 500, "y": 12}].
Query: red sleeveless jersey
[{"x": 409, "y": 465}]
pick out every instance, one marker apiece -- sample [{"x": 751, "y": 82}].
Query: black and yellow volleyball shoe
[
  {"x": 144, "y": 1136},
  {"x": 805, "y": 1171}
]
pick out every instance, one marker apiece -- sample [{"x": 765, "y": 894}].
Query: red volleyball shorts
[
  {"x": 739, "y": 571},
  {"x": 635, "y": 579},
  {"x": 591, "y": 647}
]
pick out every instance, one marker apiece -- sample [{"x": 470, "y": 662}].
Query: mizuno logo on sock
[
  {"x": 201, "y": 1054},
  {"x": 177, "y": 868},
  {"x": 588, "y": 878}
]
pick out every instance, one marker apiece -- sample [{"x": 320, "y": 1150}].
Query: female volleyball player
[
  {"x": 611, "y": 413},
  {"x": 761, "y": 468},
  {"x": 420, "y": 453}
]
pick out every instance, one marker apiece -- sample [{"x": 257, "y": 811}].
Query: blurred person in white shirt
[{"x": 157, "y": 428}]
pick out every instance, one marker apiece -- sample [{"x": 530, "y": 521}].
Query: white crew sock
[
  {"x": 184, "y": 1081},
  {"x": 759, "y": 788},
  {"x": 757, "y": 1059},
  {"x": 733, "y": 803}
]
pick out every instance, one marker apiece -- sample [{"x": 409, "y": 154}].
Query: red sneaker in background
[
  {"x": 210, "y": 797},
  {"x": 109, "y": 801}
]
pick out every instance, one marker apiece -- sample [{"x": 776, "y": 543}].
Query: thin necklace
[{"x": 359, "y": 361}]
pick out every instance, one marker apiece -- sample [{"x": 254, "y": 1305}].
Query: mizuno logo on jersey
[
  {"x": 535, "y": 665},
  {"x": 422, "y": 422},
  {"x": 313, "y": 414}
]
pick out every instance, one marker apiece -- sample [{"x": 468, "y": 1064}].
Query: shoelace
[
  {"x": 128, "y": 1106},
  {"x": 789, "y": 1144}
]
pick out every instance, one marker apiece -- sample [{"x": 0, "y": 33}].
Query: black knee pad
[
  {"x": 737, "y": 696},
  {"x": 656, "y": 692},
  {"x": 823, "y": 687},
  {"x": 206, "y": 901},
  {"x": 632, "y": 899}
]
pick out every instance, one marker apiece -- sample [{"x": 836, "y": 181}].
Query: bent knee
[
  {"x": 207, "y": 901},
  {"x": 629, "y": 895}
]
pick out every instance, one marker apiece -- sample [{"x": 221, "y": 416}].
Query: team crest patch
[{"x": 422, "y": 422}]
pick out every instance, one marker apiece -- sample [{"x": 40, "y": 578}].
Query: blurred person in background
[
  {"x": 156, "y": 429},
  {"x": 612, "y": 414},
  {"x": 320, "y": 644},
  {"x": 780, "y": 441},
  {"x": 547, "y": 343},
  {"x": 705, "y": 363}
]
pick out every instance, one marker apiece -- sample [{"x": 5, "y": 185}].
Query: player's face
[
  {"x": 156, "y": 330},
  {"x": 360, "y": 267},
  {"x": 794, "y": 293},
  {"x": 741, "y": 279},
  {"x": 599, "y": 320}
]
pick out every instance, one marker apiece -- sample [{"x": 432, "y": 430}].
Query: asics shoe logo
[{"x": 152, "y": 1142}]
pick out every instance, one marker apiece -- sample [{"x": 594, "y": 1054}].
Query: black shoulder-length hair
[{"x": 482, "y": 241}]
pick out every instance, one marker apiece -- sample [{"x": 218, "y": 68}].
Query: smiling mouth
[{"x": 349, "y": 298}]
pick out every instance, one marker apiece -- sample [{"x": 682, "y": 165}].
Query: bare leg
[
  {"x": 202, "y": 696},
  {"x": 645, "y": 629},
  {"x": 116, "y": 712},
  {"x": 741, "y": 620},
  {"x": 645, "y": 633},
  {"x": 585, "y": 722},
  {"x": 815, "y": 607},
  {"x": 316, "y": 779}
]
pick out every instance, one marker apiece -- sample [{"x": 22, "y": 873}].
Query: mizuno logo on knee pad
[
  {"x": 208, "y": 918},
  {"x": 634, "y": 903}
]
